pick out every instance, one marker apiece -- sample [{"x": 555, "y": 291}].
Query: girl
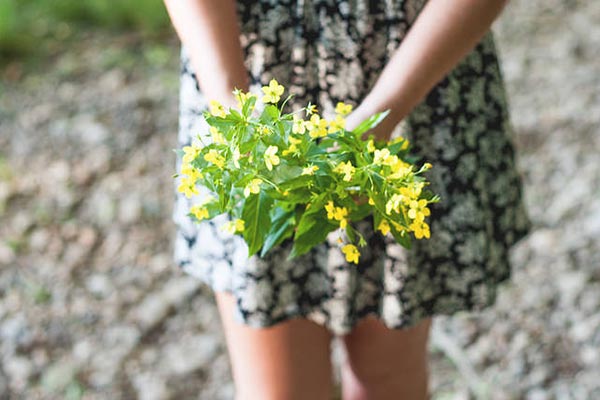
[{"x": 434, "y": 65}]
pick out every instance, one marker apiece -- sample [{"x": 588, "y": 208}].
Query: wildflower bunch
[{"x": 299, "y": 175}]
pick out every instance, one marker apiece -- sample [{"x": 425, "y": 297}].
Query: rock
[
  {"x": 21, "y": 222},
  {"x": 117, "y": 342},
  {"x": 130, "y": 208},
  {"x": 99, "y": 285},
  {"x": 83, "y": 350},
  {"x": 38, "y": 240},
  {"x": 102, "y": 208},
  {"x": 7, "y": 255},
  {"x": 150, "y": 387},
  {"x": 87, "y": 237},
  {"x": 19, "y": 369},
  {"x": 590, "y": 356},
  {"x": 14, "y": 332},
  {"x": 58, "y": 376},
  {"x": 74, "y": 255},
  {"x": 88, "y": 129},
  {"x": 156, "y": 305},
  {"x": 189, "y": 354},
  {"x": 571, "y": 284},
  {"x": 537, "y": 394}
]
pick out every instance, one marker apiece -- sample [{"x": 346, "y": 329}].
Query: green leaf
[
  {"x": 306, "y": 223},
  {"x": 316, "y": 234},
  {"x": 221, "y": 124},
  {"x": 370, "y": 123},
  {"x": 297, "y": 182},
  {"x": 255, "y": 214},
  {"x": 282, "y": 227},
  {"x": 396, "y": 148},
  {"x": 248, "y": 106},
  {"x": 269, "y": 114},
  {"x": 361, "y": 212},
  {"x": 402, "y": 238},
  {"x": 234, "y": 115}
]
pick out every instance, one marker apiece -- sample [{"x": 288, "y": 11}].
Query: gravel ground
[{"x": 92, "y": 306}]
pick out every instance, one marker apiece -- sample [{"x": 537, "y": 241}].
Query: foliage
[
  {"x": 279, "y": 175},
  {"x": 24, "y": 23}
]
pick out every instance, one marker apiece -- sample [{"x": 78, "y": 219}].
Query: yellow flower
[
  {"x": 270, "y": 157},
  {"x": 345, "y": 168},
  {"x": 412, "y": 192},
  {"x": 311, "y": 109},
  {"x": 343, "y": 108},
  {"x": 190, "y": 153},
  {"x": 310, "y": 170},
  {"x": 272, "y": 92},
  {"x": 193, "y": 173},
  {"x": 330, "y": 208},
  {"x": 337, "y": 213},
  {"x": 351, "y": 253},
  {"x": 343, "y": 223},
  {"x": 317, "y": 126},
  {"x": 340, "y": 213},
  {"x": 292, "y": 149},
  {"x": 235, "y": 226},
  {"x": 418, "y": 210},
  {"x": 242, "y": 97},
  {"x": 401, "y": 139},
  {"x": 187, "y": 187},
  {"x": 240, "y": 225},
  {"x": 384, "y": 227},
  {"x": 394, "y": 203},
  {"x": 217, "y": 109},
  {"x": 252, "y": 187},
  {"x": 421, "y": 229},
  {"x": 427, "y": 166},
  {"x": 399, "y": 168},
  {"x": 380, "y": 156},
  {"x": 217, "y": 136},
  {"x": 397, "y": 139},
  {"x": 214, "y": 157},
  {"x": 264, "y": 130},
  {"x": 298, "y": 126},
  {"x": 199, "y": 212},
  {"x": 370, "y": 146},
  {"x": 337, "y": 124}
]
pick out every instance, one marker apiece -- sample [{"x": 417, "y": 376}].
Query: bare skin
[
  {"x": 385, "y": 364},
  {"x": 288, "y": 361},
  {"x": 291, "y": 360}
]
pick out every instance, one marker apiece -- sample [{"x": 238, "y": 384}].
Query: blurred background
[{"x": 91, "y": 305}]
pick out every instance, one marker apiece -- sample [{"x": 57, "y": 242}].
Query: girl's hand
[{"x": 382, "y": 131}]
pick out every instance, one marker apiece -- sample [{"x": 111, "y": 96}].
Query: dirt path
[{"x": 92, "y": 307}]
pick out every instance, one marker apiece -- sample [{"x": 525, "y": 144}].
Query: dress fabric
[{"x": 325, "y": 51}]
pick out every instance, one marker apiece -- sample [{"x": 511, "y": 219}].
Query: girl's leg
[
  {"x": 383, "y": 363},
  {"x": 290, "y": 360}
]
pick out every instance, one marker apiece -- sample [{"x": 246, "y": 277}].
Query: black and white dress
[{"x": 325, "y": 51}]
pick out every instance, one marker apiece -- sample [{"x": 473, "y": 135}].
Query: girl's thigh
[
  {"x": 289, "y": 360},
  {"x": 384, "y": 363}
]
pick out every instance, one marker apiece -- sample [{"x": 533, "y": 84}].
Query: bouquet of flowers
[{"x": 280, "y": 175}]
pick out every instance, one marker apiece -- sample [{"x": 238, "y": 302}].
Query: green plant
[{"x": 279, "y": 175}]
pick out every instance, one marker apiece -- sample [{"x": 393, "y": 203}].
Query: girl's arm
[
  {"x": 210, "y": 32},
  {"x": 443, "y": 33}
]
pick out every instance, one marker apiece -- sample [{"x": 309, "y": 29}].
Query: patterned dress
[{"x": 326, "y": 51}]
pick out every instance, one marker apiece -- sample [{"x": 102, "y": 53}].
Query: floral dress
[{"x": 325, "y": 51}]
